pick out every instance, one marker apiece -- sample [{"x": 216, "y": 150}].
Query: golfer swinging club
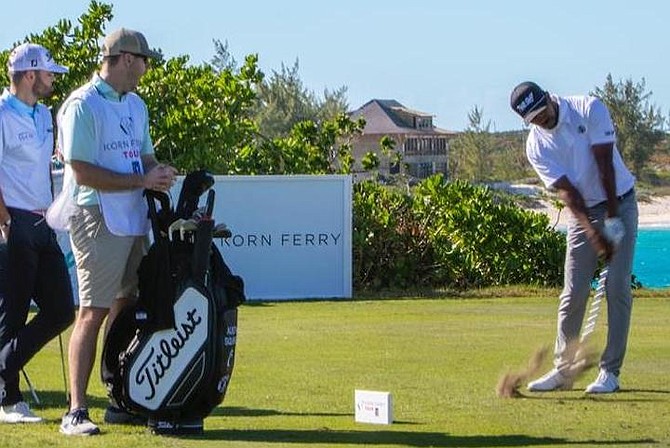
[{"x": 572, "y": 147}]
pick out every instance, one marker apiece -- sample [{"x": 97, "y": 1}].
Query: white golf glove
[{"x": 614, "y": 230}]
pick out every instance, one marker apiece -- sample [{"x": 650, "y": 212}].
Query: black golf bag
[{"x": 170, "y": 357}]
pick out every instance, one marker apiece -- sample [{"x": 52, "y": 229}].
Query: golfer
[
  {"x": 104, "y": 138},
  {"x": 34, "y": 267},
  {"x": 572, "y": 147}
]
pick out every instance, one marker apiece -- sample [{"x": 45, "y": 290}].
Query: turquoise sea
[{"x": 651, "y": 265}]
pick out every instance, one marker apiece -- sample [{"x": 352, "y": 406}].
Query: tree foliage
[
  {"x": 223, "y": 59},
  {"x": 472, "y": 151},
  {"x": 479, "y": 155},
  {"x": 284, "y": 101},
  {"x": 640, "y": 125},
  {"x": 282, "y": 98},
  {"x": 75, "y": 46},
  {"x": 309, "y": 148},
  {"x": 201, "y": 117}
]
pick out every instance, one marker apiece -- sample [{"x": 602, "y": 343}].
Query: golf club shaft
[
  {"x": 596, "y": 302},
  {"x": 62, "y": 363},
  {"x": 31, "y": 387}
]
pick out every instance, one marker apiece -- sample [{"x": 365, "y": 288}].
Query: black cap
[{"x": 528, "y": 100}]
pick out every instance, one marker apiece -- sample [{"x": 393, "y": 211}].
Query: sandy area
[{"x": 654, "y": 212}]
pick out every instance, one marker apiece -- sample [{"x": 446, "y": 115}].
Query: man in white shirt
[
  {"x": 35, "y": 266},
  {"x": 572, "y": 147}
]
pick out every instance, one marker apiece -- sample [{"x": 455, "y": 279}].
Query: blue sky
[{"x": 438, "y": 56}]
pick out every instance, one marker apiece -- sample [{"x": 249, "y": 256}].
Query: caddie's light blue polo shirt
[{"x": 78, "y": 123}]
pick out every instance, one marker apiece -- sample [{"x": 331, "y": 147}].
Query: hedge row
[{"x": 450, "y": 235}]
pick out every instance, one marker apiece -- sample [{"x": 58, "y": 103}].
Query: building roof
[{"x": 390, "y": 117}]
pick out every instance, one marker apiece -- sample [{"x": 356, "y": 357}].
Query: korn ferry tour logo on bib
[
  {"x": 126, "y": 125},
  {"x": 157, "y": 367},
  {"x": 124, "y": 143}
]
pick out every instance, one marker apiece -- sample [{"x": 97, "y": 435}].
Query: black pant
[{"x": 32, "y": 267}]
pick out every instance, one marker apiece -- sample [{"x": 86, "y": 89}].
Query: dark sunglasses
[{"x": 141, "y": 56}]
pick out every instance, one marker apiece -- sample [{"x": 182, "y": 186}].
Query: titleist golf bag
[{"x": 170, "y": 357}]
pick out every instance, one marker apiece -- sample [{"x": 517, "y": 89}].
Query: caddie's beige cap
[{"x": 124, "y": 40}]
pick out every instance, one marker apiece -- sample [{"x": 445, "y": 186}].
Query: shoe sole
[
  {"x": 83, "y": 434},
  {"x": 596, "y": 392},
  {"x": 555, "y": 389},
  {"x": 20, "y": 421}
]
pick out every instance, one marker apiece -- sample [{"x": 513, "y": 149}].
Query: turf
[{"x": 298, "y": 364}]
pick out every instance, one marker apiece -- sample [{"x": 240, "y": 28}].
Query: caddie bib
[{"x": 119, "y": 127}]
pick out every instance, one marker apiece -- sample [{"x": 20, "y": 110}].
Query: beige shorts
[{"x": 106, "y": 263}]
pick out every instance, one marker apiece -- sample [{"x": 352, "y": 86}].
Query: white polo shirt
[
  {"x": 565, "y": 150},
  {"x": 26, "y": 146}
]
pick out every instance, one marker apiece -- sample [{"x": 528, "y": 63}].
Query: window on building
[
  {"x": 420, "y": 170},
  {"x": 423, "y": 122}
]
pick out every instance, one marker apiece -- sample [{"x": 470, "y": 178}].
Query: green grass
[{"x": 298, "y": 364}]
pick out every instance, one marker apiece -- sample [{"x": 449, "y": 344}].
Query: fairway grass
[{"x": 298, "y": 364}]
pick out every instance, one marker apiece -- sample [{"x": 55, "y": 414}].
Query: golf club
[
  {"x": 581, "y": 357},
  {"x": 62, "y": 363},
  {"x": 594, "y": 310},
  {"x": 30, "y": 386}
]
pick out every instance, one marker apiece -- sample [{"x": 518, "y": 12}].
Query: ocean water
[{"x": 651, "y": 264}]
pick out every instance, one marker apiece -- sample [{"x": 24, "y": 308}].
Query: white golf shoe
[
  {"x": 553, "y": 380},
  {"x": 605, "y": 383},
  {"x": 18, "y": 413}
]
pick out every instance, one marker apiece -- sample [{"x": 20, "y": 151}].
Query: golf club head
[{"x": 581, "y": 357}]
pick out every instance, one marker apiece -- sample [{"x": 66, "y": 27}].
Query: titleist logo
[{"x": 163, "y": 353}]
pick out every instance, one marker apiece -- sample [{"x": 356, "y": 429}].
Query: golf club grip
[
  {"x": 201, "y": 250},
  {"x": 164, "y": 200},
  {"x": 210, "y": 203}
]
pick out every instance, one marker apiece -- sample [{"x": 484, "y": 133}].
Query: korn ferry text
[{"x": 283, "y": 239}]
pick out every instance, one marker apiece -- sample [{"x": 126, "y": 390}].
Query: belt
[
  {"x": 619, "y": 198},
  {"x": 626, "y": 194}
]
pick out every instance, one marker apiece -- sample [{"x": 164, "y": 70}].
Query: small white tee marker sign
[{"x": 373, "y": 407}]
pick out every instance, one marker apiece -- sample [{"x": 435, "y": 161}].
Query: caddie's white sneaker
[
  {"x": 553, "y": 380},
  {"x": 78, "y": 423},
  {"x": 606, "y": 383},
  {"x": 18, "y": 413}
]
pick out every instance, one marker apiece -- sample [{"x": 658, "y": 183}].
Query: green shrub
[
  {"x": 454, "y": 235},
  {"x": 391, "y": 247}
]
